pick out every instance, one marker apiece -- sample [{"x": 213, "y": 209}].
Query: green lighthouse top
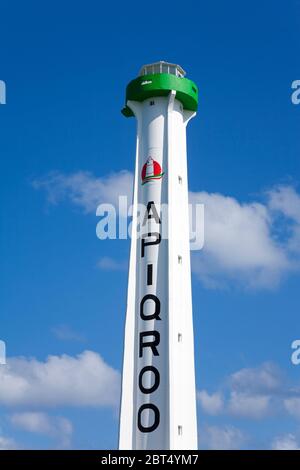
[{"x": 158, "y": 79}]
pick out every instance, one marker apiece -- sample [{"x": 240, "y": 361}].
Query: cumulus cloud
[
  {"x": 248, "y": 406},
  {"x": 222, "y": 438},
  {"x": 66, "y": 333},
  {"x": 7, "y": 443},
  {"x": 84, "y": 380},
  {"x": 242, "y": 241},
  {"x": 85, "y": 190},
  {"x": 248, "y": 393},
  {"x": 292, "y": 405},
  {"x": 212, "y": 404},
  {"x": 285, "y": 442},
  {"x": 56, "y": 427},
  {"x": 265, "y": 378},
  {"x": 253, "y": 393},
  {"x": 285, "y": 201}
]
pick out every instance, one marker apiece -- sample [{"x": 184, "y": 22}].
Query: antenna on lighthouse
[{"x": 158, "y": 402}]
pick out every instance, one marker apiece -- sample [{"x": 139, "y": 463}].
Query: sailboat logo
[{"x": 151, "y": 171}]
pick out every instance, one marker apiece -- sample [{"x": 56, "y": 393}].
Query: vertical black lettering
[
  {"x": 155, "y": 314},
  {"x": 153, "y": 242},
  {"x": 154, "y": 215},
  {"x": 149, "y": 274}
]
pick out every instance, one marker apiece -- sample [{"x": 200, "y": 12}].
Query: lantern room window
[{"x": 162, "y": 67}]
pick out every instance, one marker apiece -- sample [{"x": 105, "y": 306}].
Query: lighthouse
[{"x": 158, "y": 397}]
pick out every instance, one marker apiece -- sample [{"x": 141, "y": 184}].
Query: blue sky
[{"x": 64, "y": 144}]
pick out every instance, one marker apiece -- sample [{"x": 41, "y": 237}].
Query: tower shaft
[{"x": 158, "y": 404}]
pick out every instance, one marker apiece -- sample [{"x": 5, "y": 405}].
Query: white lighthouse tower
[{"x": 158, "y": 404}]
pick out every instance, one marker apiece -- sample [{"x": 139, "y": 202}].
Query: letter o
[
  {"x": 156, "y": 379},
  {"x": 148, "y": 406}
]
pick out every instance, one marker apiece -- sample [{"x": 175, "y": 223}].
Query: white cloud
[
  {"x": 55, "y": 427},
  {"x": 66, "y": 333},
  {"x": 7, "y": 443},
  {"x": 84, "y": 380},
  {"x": 109, "y": 264},
  {"x": 84, "y": 189},
  {"x": 252, "y": 244},
  {"x": 248, "y": 393},
  {"x": 249, "y": 406},
  {"x": 239, "y": 244},
  {"x": 252, "y": 391},
  {"x": 211, "y": 404},
  {"x": 222, "y": 438},
  {"x": 292, "y": 405},
  {"x": 265, "y": 378},
  {"x": 286, "y": 442},
  {"x": 285, "y": 201}
]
